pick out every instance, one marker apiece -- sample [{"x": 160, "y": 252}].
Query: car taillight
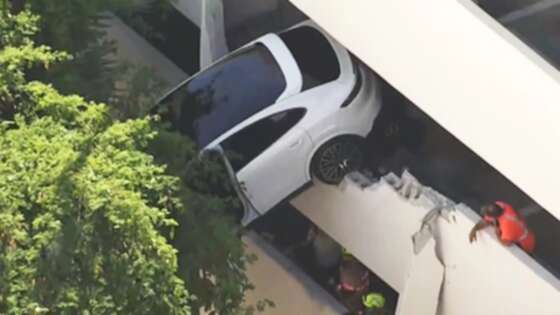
[{"x": 357, "y": 84}]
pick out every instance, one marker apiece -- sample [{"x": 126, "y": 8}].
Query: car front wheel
[{"x": 336, "y": 158}]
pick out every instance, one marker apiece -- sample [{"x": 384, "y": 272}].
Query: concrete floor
[{"x": 276, "y": 278}]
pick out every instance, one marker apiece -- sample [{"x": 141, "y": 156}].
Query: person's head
[{"x": 492, "y": 210}]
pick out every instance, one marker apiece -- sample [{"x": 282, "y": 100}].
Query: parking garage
[{"x": 404, "y": 137}]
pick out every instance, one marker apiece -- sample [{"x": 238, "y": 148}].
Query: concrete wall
[
  {"x": 467, "y": 72},
  {"x": 239, "y": 11},
  {"x": 134, "y": 49},
  {"x": 192, "y": 9},
  {"x": 377, "y": 224}
]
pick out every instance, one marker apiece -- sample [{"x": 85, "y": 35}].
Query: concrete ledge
[{"x": 377, "y": 223}]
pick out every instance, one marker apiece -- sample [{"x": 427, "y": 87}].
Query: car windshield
[{"x": 223, "y": 95}]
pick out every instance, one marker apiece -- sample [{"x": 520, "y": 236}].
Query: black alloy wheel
[{"x": 336, "y": 158}]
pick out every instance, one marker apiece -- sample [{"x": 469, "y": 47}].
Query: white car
[{"x": 292, "y": 105}]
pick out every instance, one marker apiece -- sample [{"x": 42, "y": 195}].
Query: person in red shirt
[{"x": 510, "y": 227}]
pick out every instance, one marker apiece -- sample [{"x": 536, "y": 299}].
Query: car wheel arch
[{"x": 309, "y": 169}]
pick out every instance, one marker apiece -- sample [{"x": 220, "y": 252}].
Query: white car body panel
[
  {"x": 281, "y": 170},
  {"x": 272, "y": 176},
  {"x": 288, "y": 65},
  {"x": 284, "y": 166}
]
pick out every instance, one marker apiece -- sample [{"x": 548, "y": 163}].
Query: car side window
[{"x": 248, "y": 143}]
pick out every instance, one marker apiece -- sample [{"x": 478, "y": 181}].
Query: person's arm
[{"x": 477, "y": 227}]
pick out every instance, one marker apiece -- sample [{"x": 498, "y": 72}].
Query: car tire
[{"x": 336, "y": 158}]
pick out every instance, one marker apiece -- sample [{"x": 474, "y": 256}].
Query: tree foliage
[
  {"x": 80, "y": 28},
  {"x": 89, "y": 224},
  {"x": 85, "y": 216},
  {"x": 212, "y": 258}
]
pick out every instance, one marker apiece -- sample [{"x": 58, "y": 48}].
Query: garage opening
[{"x": 322, "y": 258}]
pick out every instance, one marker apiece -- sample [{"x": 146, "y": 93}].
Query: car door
[{"x": 270, "y": 157}]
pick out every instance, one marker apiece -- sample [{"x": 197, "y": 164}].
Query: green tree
[
  {"x": 88, "y": 223},
  {"x": 84, "y": 213},
  {"x": 79, "y": 27},
  {"x": 212, "y": 258}
]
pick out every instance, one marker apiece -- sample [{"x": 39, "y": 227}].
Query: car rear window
[
  {"x": 223, "y": 95},
  {"x": 314, "y": 55}
]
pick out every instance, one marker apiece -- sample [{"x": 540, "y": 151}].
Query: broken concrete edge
[
  {"x": 439, "y": 207},
  {"x": 409, "y": 188}
]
